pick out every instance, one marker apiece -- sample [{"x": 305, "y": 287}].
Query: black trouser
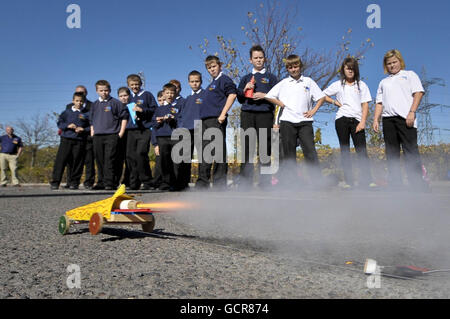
[
  {"x": 167, "y": 166},
  {"x": 220, "y": 169},
  {"x": 304, "y": 132},
  {"x": 184, "y": 168},
  {"x": 156, "y": 181},
  {"x": 120, "y": 159},
  {"x": 70, "y": 153},
  {"x": 138, "y": 162},
  {"x": 397, "y": 134},
  {"x": 105, "y": 150},
  {"x": 258, "y": 121},
  {"x": 89, "y": 163},
  {"x": 346, "y": 127}
]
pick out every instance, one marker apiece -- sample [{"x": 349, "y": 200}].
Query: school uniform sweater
[
  {"x": 190, "y": 109},
  {"x": 264, "y": 82},
  {"x": 106, "y": 116},
  {"x": 147, "y": 102},
  {"x": 216, "y": 96},
  {"x": 79, "y": 118}
]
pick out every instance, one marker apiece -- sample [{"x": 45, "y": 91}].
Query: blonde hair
[
  {"x": 390, "y": 54},
  {"x": 293, "y": 60}
]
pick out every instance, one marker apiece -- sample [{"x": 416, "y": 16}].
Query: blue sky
[{"x": 42, "y": 60}]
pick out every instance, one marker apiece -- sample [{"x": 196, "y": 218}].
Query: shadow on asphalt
[{"x": 121, "y": 234}]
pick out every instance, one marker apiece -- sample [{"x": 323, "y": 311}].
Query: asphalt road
[{"x": 286, "y": 244}]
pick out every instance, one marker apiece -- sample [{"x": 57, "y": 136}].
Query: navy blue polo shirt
[
  {"x": 10, "y": 145},
  {"x": 106, "y": 116},
  {"x": 264, "y": 82},
  {"x": 216, "y": 96}
]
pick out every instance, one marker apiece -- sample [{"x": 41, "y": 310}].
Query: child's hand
[
  {"x": 160, "y": 119},
  {"x": 376, "y": 126},
  {"x": 309, "y": 114},
  {"x": 79, "y": 130},
  {"x": 157, "y": 150},
  {"x": 137, "y": 109},
  {"x": 259, "y": 96},
  {"x": 72, "y": 126},
  {"x": 276, "y": 127},
  {"x": 360, "y": 127},
  {"x": 221, "y": 118},
  {"x": 410, "y": 118},
  {"x": 249, "y": 86}
]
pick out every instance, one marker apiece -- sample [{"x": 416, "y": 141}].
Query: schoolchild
[
  {"x": 398, "y": 97},
  {"x": 108, "y": 119},
  {"x": 219, "y": 98},
  {"x": 352, "y": 99}
]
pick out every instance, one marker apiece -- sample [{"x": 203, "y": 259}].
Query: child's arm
[
  {"x": 365, "y": 112},
  {"x": 275, "y": 102},
  {"x": 331, "y": 101},
  {"x": 228, "y": 104},
  {"x": 123, "y": 126},
  {"x": 376, "y": 117},
  {"x": 92, "y": 131},
  {"x": 411, "y": 117},
  {"x": 311, "y": 113}
]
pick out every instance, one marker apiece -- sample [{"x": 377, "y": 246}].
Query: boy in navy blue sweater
[
  {"x": 256, "y": 114},
  {"x": 219, "y": 98},
  {"x": 108, "y": 119},
  {"x": 139, "y": 134},
  {"x": 164, "y": 123},
  {"x": 74, "y": 126},
  {"x": 189, "y": 113}
]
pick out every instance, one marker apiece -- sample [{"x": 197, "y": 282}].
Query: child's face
[
  {"x": 124, "y": 97},
  {"x": 258, "y": 60},
  {"x": 78, "y": 102},
  {"x": 134, "y": 86},
  {"x": 195, "y": 82},
  {"x": 103, "y": 91},
  {"x": 393, "y": 65},
  {"x": 161, "y": 100},
  {"x": 214, "y": 69},
  {"x": 294, "y": 71},
  {"x": 169, "y": 95},
  {"x": 349, "y": 74}
]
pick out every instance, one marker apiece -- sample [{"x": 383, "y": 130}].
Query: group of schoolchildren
[{"x": 120, "y": 132}]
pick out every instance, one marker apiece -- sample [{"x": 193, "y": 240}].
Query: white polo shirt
[
  {"x": 396, "y": 93},
  {"x": 297, "y": 96},
  {"x": 350, "y": 97}
]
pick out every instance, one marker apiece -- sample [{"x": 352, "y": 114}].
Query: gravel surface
[{"x": 232, "y": 245}]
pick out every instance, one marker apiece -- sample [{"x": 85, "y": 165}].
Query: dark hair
[
  {"x": 352, "y": 64},
  {"x": 79, "y": 94},
  {"x": 160, "y": 93},
  {"x": 103, "y": 83},
  {"x": 257, "y": 48},
  {"x": 195, "y": 73},
  {"x": 123, "y": 88},
  {"x": 169, "y": 86}
]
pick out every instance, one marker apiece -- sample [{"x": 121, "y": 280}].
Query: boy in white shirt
[
  {"x": 352, "y": 97},
  {"x": 295, "y": 94},
  {"x": 398, "y": 98}
]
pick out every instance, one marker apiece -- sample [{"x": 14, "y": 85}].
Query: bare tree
[
  {"x": 36, "y": 132},
  {"x": 274, "y": 27}
]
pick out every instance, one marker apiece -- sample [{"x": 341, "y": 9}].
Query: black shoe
[
  {"x": 73, "y": 187},
  {"x": 98, "y": 187},
  {"x": 164, "y": 188},
  {"x": 147, "y": 187},
  {"x": 88, "y": 187},
  {"x": 54, "y": 186},
  {"x": 67, "y": 186},
  {"x": 108, "y": 188},
  {"x": 3, "y": 185}
]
